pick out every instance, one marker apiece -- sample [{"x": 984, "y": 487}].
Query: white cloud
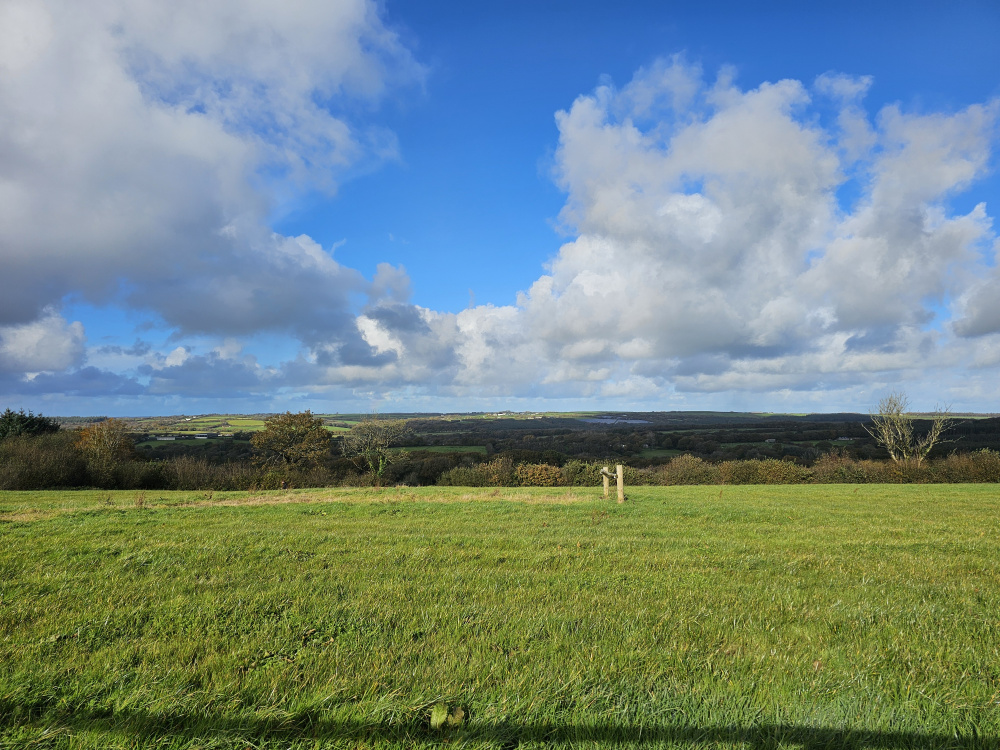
[
  {"x": 143, "y": 144},
  {"x": 49, "y": 343},
  {"x": 982, "y": 308},
  {"x": 177, "y": 357},
  {"x": 712, "y": 253},
  {"x": 271, "y": 72}
]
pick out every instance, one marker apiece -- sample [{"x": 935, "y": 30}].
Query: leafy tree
[
  {"x": 106, "y": 445},
  {"x": 368, "y": 444},
  {"x": 18, "y": 423},
  {"x": 298, "y": 440},
  {"x": 892, "y": 428}
]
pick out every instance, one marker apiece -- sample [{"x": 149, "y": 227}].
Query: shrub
[
  {"x": 463, "y": 476},
  {"x": 538, "y": 475},
  {"x": 765, "y": 471},
  {"x": 581, "y": 474},
  {"x": 688, "y": 469},
  {"x": 904, "y": 472},
  {"x": 33, "y": 462},
  {"x": 986, "y": 466},
  {"x": 356, "y": 479},
  {"x": 634, "y": 476},
  {"x": 106, "y": 446},
  {"x": 839, "y": 468},
  {"x": 137, "y": 475},
  {"x": 189, "y": 473},
  {"x": 980, "y": 466},
  {"x": 500, "y": 472}
]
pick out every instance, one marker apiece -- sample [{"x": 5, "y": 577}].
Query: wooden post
[
  {"x": 620, "y": 470},
  {"x": 605, "y": 474}
]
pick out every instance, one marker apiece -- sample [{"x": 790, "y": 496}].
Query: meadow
[{"x": 814, "y": 616}]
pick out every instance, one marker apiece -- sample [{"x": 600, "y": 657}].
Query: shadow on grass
[{"x": 140, "y": 727}]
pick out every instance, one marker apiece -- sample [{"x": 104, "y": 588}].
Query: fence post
[
  {"x": 605, "y": 474},
  {"x": 620, "y": 470}
]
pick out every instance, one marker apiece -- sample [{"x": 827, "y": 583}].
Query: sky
[{"x": 422, "y": 206}]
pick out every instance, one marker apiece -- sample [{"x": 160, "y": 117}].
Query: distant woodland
[{"x": 220, "y": 452}]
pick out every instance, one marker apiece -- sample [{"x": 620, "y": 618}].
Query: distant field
[
  {"x": 689, "y": 617},
  {"x": 445, "y": 448},
  {"x": 246, "y": 424},
  {"x": 207, "y": 423}
]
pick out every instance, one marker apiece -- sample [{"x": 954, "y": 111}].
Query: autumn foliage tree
[
  {"x": 292, "y": 440},
  {"x": 106, "y": 445}
]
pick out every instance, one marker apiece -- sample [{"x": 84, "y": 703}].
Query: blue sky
[{"x": 431, "y": 206}]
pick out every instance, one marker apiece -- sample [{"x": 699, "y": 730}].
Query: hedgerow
[{"x": 52, "y": 461}]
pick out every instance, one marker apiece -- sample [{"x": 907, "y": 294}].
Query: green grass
[
  {"x": 246, "y": 424},
  {"x": 207, "y": 423},
  {"x": 689, "y": 617}
]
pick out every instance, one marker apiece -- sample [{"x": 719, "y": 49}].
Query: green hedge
[
  {"x": 53, "y": 461},
  {"x": 981, "y": 466}
]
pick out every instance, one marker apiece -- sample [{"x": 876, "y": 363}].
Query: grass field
[
  {"x": 208, "y": 423},
  {"x": 660, "y": 453},
  {"x": 246, "y": 424},
  {"x": 689, "y": 617}
]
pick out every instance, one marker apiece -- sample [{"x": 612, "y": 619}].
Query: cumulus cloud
[
  {"x": 980, "y": 303},
  {"x": 49, "y": 343},
  {"x": 142, "y": 148},
  {"x": 275, "y": 74},
  {"x": 712, "y": 252},
  {"x": 143, "y": 145}
]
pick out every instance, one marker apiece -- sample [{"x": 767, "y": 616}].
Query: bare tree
[
  {"x": 892, "y": 427},
  {"x": 106, "y": 445},
  {"x": 368, "y": 444}
]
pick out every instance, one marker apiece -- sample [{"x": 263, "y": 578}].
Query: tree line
[
  {"x": 297, "y": 450},
  {"x": 290, "y": 449}
]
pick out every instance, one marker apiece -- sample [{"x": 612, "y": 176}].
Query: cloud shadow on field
[{"x": 310, "y": 727}]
